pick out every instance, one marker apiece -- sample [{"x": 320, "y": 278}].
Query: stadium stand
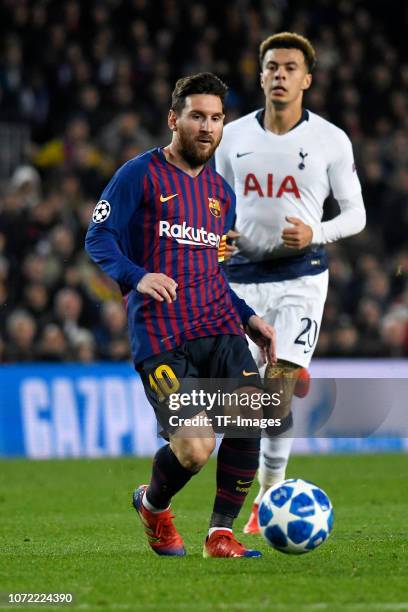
[{"x": 84, "y": 87}]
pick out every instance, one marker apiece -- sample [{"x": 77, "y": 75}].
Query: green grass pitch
[{"x": 68, "y": 526}]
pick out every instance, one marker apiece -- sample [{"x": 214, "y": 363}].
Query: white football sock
[{"x": 273, "y": 460}]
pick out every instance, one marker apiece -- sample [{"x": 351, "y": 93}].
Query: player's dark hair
[
  {"x": 201, "y": 83},
  {"x": 289, "y": 40}
]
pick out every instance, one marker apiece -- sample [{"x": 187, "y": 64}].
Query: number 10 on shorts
[{"x": 164, "y": 382}]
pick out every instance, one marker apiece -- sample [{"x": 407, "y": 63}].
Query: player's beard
[{"x": 190, "y": 151}]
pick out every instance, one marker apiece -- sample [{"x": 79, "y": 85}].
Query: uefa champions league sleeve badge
[{"x": 101, "y": 211}]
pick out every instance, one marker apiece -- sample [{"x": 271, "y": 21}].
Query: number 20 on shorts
[
  {"x": 308, "y": 335},
  {"x": 164, "y": 382}
]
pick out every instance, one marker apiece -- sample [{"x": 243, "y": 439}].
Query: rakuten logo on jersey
[
  {"x": 265, "y": 187},
  {"x": 184, "y": 234}
]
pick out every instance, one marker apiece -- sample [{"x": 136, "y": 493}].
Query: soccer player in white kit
[{"x": 282, "y": 162}]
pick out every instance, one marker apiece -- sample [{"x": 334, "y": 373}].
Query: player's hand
[
  {"x": 264, "y": 336},
  {"x": 158, "y": 286},
  {"x": 299, "y": 236},
  {"x": 230, "y": 246}
]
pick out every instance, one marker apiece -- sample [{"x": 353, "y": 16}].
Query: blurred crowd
[{"x": 92, "y": 83}]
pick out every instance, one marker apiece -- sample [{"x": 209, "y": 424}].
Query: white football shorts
[{"x": 295, "y": 308}]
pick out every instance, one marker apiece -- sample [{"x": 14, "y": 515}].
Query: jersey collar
[{"x": 260, "y": 116}]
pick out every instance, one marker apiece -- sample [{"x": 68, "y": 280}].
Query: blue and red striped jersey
[{"x": 153, "y": 217}]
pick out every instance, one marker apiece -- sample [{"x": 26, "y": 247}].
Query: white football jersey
[{"x": 275, "y": 176}]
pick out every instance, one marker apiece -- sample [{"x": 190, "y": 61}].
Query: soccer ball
[{"x": 295, "y": 516}]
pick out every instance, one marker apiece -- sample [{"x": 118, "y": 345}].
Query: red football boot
[
  {"x": 161, "y": 533},
  {"x": 252, "y": 524},
  {"x": 222, "y": 543},
  {"x": 302, "y": 385}
]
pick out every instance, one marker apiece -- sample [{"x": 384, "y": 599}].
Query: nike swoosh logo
[
  {"x": 244, "y": 482},
  {"x": 242, "y": 154},
  {"x": 166, "y": 198},
  {"x": 245, "y": 373}
]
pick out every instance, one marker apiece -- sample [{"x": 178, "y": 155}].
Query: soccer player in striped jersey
[
  {"x": 282, "y": 162},
  {"x": 159, "y": 230}
]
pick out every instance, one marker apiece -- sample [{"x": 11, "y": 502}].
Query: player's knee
[
  {"x": 194, "y": 454},
  {"x": 249, "y": 405},
  {"x": 280, "y": 379},
  {"x": 194, "y": 459}
]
